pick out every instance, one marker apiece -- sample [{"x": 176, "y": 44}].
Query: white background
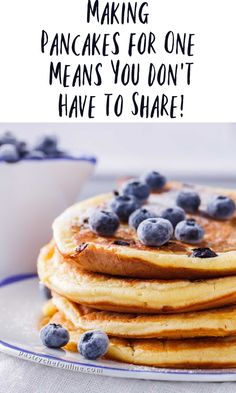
[{"x": 26, "y": 96}]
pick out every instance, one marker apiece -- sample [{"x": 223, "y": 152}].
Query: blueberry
[
  {"x": 47, "y": 144},
  {"x": 174, "y": 215},
  {"x": 188, "y": 231},
  {"x": 8, "y": 138},
  {"x": 54, "y": 336},
  {"x": 45, "y": 292},
  {"x": 121, "y": 243},
  {"x": 154, "y": 180},
  {"x": 137, "y": 189},
  {"x": 188, "y": 200},
  {"x": 36, "y": 155},
  {"x": 9, "y": 153},
  {"x": 104, "y": 223},
  {"x": 22, "y": 149},
  {"x": 155, "y": 231},
  {"x": 204, "y": 252},
  {"x": 140, "y": 215},
  {"x": 221, "y": 207},
  {"x": 93, "y": 344},
  {"x": 123, "y": 206}
]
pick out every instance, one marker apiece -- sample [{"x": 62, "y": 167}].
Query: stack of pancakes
[{"x": 159, "y": 305}]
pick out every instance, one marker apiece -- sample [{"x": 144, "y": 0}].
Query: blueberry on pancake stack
[{"x": 145, "y": 275}]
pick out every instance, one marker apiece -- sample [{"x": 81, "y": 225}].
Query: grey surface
[{"x": 21, "y": 376}]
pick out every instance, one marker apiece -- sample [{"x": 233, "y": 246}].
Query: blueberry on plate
[
  {"x": 137, "y": 189},
  {"x": 154, "y": 180},
  {"x": 188, "y": 231},
  {"x": 203, "y": 252},
  {"x": 47, "y": 144},
  {"x": 221, "y": 207},
  {"x": 123, "y": 206},
  {"x": 188, "y": 200},
  {"x": 174, "y": 215},
  {"x": 54, "y": 336},
  {"x": 140, "y": 215},
  {"x": 45, "y": 292},
  {"x": 9, "y": 153},
  {"x": 104, "y": 223},
  {"x": 155, "y": 231},
  {"x": 93, "y": 344}
]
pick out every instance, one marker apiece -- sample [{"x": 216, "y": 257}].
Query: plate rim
[{"x": 155, "y": 371}]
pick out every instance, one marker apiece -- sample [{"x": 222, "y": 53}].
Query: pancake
[
  {"x": 131, "y": 295},
  {"x": 76, "y": 241},
  {"x": 211, "y": 323},
  {"x": 190, "y": 353}
]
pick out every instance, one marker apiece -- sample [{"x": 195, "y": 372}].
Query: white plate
[{"x": 20, "y": 308}]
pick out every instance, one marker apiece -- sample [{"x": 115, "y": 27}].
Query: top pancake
[
  {"x": 142, "y": 296},
  {"x": 74, "y": 240}
]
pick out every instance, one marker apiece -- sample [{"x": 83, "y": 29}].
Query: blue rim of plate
[
  {"x": 88, "y": 158},
  {"x": 21, "y": 277}
]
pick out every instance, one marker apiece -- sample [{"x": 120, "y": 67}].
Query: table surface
[{"x": 21, "y": 376}]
